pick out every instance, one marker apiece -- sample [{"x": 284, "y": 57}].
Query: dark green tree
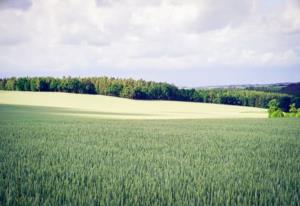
[
  {"x": 114, "y": 89},
  {"x": 284, "y": 103}
]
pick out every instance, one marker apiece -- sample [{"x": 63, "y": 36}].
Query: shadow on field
[{"x": 21, "y": 110}]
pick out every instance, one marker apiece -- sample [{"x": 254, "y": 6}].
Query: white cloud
[{"x": 72, "y": 36}]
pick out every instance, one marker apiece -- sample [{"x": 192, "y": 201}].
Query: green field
[{"x": 50, "y": 158}]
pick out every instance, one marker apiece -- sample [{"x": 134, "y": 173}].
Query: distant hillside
[
  {"x": 292, "y": 89},
  {"x": 286, "y": 87},
  {"x": 100, "y": 106},
  {"x": 246, "y": 86}
]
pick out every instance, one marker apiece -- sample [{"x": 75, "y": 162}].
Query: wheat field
[{"x": 70, "y": 160}]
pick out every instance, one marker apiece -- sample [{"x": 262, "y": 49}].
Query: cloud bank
[{"x": 191, "y": 42}]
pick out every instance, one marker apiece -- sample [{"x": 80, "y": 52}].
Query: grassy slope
[
  {"x": 113, "y": 107},
  {"x": 45, "y": 160}
]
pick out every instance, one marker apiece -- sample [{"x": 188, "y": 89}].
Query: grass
[
  {"x": 49, "y": 158},
  {"x": 98, "y": 106}
]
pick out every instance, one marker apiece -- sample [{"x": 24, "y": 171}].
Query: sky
[{"x": 185, "y": 42}]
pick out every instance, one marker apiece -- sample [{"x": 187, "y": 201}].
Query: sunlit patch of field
[{"x": 99, "y": 106}]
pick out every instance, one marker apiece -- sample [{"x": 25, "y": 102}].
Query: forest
[{"x": 149, "y": 90}]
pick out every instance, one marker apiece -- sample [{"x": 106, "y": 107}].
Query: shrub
[
  {"x": 277, "y": 113},
  {"x": 273, "y": 107},
  {"x": 293, "y": 108},
  {"x": 289, "y": 114},
  {"x": 298, "y": 113}
]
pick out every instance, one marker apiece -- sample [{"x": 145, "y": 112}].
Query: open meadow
[{"x": 50, "y": 158}]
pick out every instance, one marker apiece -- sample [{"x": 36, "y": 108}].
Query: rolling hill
[{"x": 99, "y": 106}]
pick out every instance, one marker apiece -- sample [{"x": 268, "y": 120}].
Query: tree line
[{"x": 147, "y": 90}]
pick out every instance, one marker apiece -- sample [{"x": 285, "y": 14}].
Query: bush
[
  {"x": 298, "y": 113},
  {"x": 278, "y": 113},
  {"x": 273, "y": 107},
  {"x": 289, "y": 114},
  {"x": 293, "y": 108}
]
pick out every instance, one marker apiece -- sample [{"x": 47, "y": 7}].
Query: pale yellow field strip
[{"x": 120, "y": 107}]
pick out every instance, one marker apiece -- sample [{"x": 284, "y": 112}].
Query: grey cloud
[{"x": 15, "y": 4}]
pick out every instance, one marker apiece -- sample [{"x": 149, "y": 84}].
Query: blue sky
[{"x": 188, "y": 43}]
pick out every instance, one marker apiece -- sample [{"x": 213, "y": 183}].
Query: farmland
[
  {"x": 50, "y": 158},
  {"x": 99, "y": 106}
]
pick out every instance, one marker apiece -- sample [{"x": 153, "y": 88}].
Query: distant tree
[
  {"x": 87, "y": 87},
  {"x": 64, "y": 85},
  {"x": 23, "y": 84},
  {"x": 196, "y": 97},
  {"x": 34, "y": 84},
  {"x": 2, "y": 84},
  {"x": 54, "y": 85},
  {"x": 139, "y": 93},
  {"x": 43, "y": 84},
  {"x": 168, "y": 91},
  {"x": 229, "y": 100},
  {"x": 284, "y": 103},
  {"x": 11, "y": 84},
  {"x": 127, "y": 92},
  {"x": 296, "y": 100},
  {"x": 114, "y": 89},
  {"x": 71, "y": 85},
  {"x": 155, "y": 91}
]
